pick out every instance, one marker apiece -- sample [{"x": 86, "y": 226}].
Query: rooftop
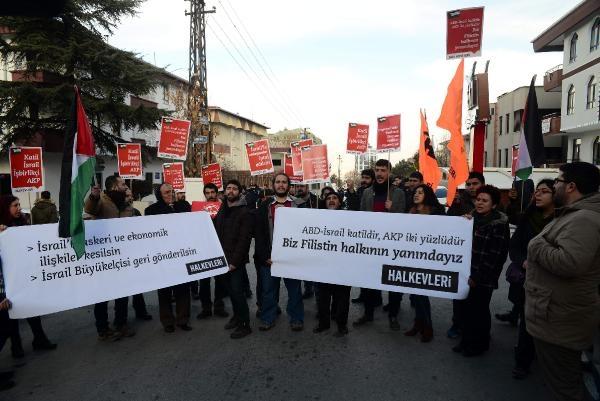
[{"x": 551, "y": 39}]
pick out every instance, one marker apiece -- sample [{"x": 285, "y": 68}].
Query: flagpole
[
  {"x": 390, "y": 165},
  {"x": 522, "y": 194}
]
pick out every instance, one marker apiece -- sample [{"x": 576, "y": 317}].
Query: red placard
[
  {"x": 464, "y": 33},
  {"x": 173, "y": 174},
  {"x": 388, "y": 133},
  {"x": 212, "y": 207},
  {"x": 358, "y": 138},
  {"x": 129, "y": 161},
  {"x": 26, "y": 169},
  {"x": 296, "y": 150},
  {"x": 515, "y": 159},
  {"x": 289, "y": 170},
  {"x": 173, "y": 141},
  {"x": 315, "y": 167},
  {"x": 259, "y": 157},
  {"x": 212, "y": 173}
]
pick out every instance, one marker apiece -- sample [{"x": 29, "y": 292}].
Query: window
[
  {"x": 576, "y": 149},
  {"x": 500, "y": 124},
  {"x": 591, "y": 93},
  {"x": 492, "y": 111},
  {"x": 507, "y": 123},
  {"x": 499, "y": 161},
  {"x": 517, "y": 123},
  {"x": 571, "y": 100},
  {"x": 505, "y": 157},
  {"x": 596, "y": 151},
  {"x": 595, "y": 36},
  {"x": 485, "y": 161},
  {"x": 573, "y": 48}
]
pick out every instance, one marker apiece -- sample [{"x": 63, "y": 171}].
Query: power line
[
  {"x": 275, "y": 86},
  {"x": 245, "y": 72},
  {"x": 246, "y": 61}
]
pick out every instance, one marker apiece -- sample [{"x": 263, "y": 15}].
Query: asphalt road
[{"x": 371, "y": 363}]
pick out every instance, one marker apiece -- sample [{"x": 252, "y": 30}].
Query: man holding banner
[
  {"x": 263, "y": 235},
  {"x": 382, "y": 197},
  {"x": 204, "y": 292},
  {"x": 234, "y": 228},
  {"x": 110, "y": 205},
  {"x": 165, "y": 204},
  {"x": 334, "y": 300}
]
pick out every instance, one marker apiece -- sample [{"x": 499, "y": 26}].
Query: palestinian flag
[
  {"x": 77, "y": 175},
  {"x": 531, "y": 143}
]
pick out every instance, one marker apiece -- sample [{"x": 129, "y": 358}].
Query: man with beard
[
  {"x": 233, "y": 227},
  {"x": 562, "y": 278},
  {"x": 462, "y": 205},
  {"x": 165, "y": 204},
  {"x": 204, "y": 293},
  {"x": 353, "y": 198},
  {"x": 110, "y": 204},
  {"x": 382, "y": 197},
  {"x": 465, "y": 202},
  {"x": 306, "y": 198},
  {"x": 263, "y": 235},
  {"x": 333, "y": 300}
]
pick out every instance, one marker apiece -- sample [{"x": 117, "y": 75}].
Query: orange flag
[
  {"x": 451, "y": 120},
  {"x": 428, "y": 165}
]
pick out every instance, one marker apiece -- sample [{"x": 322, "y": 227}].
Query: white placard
[
  {"x": 415, "y": 254},
  {"x": 123, "y": 257}
]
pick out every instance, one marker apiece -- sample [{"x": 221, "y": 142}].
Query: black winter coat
[
  {"x": 462, "y": 204},
  {"x": 491, "y": 235},
  {"x": 233, "y": 226},
  {"x": 353, "y": 199},
  {"x": 262, "y": 233}
]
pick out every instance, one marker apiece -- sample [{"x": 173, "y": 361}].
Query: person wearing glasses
[
  {"x": 562, "y": 305},
  {"x": 535, "y": 217}
]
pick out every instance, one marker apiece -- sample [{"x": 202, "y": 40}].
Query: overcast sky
[{"x": 338, "y": 61}]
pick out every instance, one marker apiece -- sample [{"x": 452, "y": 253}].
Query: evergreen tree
[{"x": 72, "y": 49}]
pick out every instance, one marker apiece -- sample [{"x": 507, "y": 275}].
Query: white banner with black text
[
  {"x": 122, "y": 257},
  {"x": 409, "y": 253}
]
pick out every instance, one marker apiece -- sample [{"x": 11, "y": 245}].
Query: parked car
[{"x": 441, "y": 193}]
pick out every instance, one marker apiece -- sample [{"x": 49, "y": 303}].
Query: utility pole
[{"x": 201, "y": 136}]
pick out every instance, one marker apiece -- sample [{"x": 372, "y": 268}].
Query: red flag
[
  {"x": 428, "y": 165},
  {"x": 451, "y": 120}
]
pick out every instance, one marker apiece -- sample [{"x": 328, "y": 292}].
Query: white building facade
[{"x": 577, "y": 35}]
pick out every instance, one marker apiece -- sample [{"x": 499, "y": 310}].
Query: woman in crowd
[
  {"x": 11, "y": 216},
  {"x": 425, "y": 202},
  {"x": 491, "y": 235},
  {"x": 333, "y": 301},
  {"x": 165, "y": 204},
  {"x": 539, "y": 213}
]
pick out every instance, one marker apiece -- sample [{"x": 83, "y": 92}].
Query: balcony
[
  {"x": 553, "y": 79},
  {"x": 551, "y": 124},
  {"x": 40, "y": 77}
]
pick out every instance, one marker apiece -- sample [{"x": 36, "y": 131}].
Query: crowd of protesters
[{"x": 553, "y": 274}]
